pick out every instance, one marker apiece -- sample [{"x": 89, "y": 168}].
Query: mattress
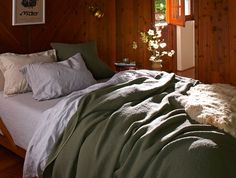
[{"x": 21, "y": 115}]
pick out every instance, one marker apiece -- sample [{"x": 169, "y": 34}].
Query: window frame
[
  {"x": 190, "y": 17},
  {"x": 175, "y": 6}
]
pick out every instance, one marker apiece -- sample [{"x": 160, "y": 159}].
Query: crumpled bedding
[
  {"x": 137, "y": 129},
  {"x": 56, "y": 119},
  {"x": 191, "y": 150}
]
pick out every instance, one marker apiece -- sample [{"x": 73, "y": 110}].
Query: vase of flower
[
  {"x": 157, "y": 64},
  {"x": 156, "y": 45}
]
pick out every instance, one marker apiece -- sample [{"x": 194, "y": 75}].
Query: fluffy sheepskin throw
[{"x": 212, "y": 104}]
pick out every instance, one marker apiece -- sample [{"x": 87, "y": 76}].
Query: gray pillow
[
  {"x": 52, "y": 80},
  {"x": 89, "y": 53}
]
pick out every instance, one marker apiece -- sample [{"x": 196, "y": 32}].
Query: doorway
[{"x": 185, "y": 35}]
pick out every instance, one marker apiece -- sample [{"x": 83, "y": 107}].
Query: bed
[
  {"x": 136, "y": 123},
  {"x": 21, "y": 114}
]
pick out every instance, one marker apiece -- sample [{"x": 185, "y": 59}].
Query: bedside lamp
[{"x": 96, "y": 12}]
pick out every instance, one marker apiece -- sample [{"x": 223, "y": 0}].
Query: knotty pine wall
[
  {"x": 70, "y": 21},
  {"x": 216, "y": 40},
  {"x": 66, "y": 21}
]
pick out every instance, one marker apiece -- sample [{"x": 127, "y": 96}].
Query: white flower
[
  {"x": 152, "y": 58},
  {"x": 158, "y": 33},
  {"x": 163, "y": 45},
  {"x": 155, "y": 44},
  {"x": 164, "y": 53},
  {"x": 157, "y": 53},
  {"x": 170, "y": 54},
  {"x": 150, "y": 32},
  {"x": 151, "y": 42}
]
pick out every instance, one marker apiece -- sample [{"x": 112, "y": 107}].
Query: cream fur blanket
[{"x": 212, "y": 104}]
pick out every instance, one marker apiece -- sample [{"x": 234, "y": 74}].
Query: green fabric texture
[
  {"x": 89, "y": 53},
  {"x": 138, "y": 129}
]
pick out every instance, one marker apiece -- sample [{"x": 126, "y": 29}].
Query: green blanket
[{"x": 138, "y": 129}]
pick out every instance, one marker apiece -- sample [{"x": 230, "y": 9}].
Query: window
[
  {"x": 160, "y": 12},
  {"x": 188, "y": 4},
  {"x": 173, "y": 11}
]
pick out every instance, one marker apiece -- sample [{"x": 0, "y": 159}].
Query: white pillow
[
  {"x": 10, "y": 63},
  {"x": 52, "y": 80}
]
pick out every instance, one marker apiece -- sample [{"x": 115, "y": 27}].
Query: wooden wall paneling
[
  {"x": 212, "y": 36},
  {"x": 132, "y": 17},
  {"x": 138, "y": 22},
  {"x": 220, "y": 31},
  {"x": 172, "y": 44},
  {"x": 118, "y": 37},
  {"x": 145, "y": 21},
  {"x": 112, "y": 30},
  {"x": 72, "y": 22},
  {"x": 60, "y": 25},
  {"x": 203, "y": 26},
  {"x": 125, "y": 28},
  {"x": 106, "y": 32},
  {"x": 232, "y": 37},
  {"x": 12, "y": 39},
  {"x": 67, "y": 21},
  {"x": 169, "y": 34},
  {"x": 119, "y": 12},
  {"x": 196, "y": 19}
]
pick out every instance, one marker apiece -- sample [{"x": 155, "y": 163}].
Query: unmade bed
[
  {"x": 21, "y": 114},
  {"x": 130, "y": 126},
  {"x": 136, "y": 124}
]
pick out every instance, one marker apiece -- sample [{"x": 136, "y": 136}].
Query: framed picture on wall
[{"x": 28, "y": 12}]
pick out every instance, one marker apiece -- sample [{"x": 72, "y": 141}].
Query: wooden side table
[{"x": 120, "y": 66}]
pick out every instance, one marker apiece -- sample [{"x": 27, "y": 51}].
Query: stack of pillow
[
  {"x": 10, "y": 64},
  {"x": 77, "y": 68}
]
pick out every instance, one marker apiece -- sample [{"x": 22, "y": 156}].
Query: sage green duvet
[{"x": 138, "y": 129}]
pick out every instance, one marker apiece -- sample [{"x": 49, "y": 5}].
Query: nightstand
[{"x": 121, "y": 66}]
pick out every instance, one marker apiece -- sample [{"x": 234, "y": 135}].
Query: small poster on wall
[{"x": 28, "y": 12}]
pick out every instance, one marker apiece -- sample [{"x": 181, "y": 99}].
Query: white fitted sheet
[{"x": 21, "y": 115}]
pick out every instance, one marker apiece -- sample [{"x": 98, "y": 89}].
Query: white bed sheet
[{"x": 22, "y": 114}]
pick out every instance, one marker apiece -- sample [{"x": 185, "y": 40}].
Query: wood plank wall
[
  {"x": 11, "y": 39},
  {"x": 66, "y": 21},
  {"x": 132, "y": 17},
  {"x": 70, "y": 21},
  {"x": 215, "y": 41}
]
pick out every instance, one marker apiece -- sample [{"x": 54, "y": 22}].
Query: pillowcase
[
  {"x": 89, "y": 53},
  {"x": 44, "y": 53},
  {"x": 52, "y": 80},
  {"x": 10, "y": 64}
]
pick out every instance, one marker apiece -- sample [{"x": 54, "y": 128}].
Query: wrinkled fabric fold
[{"x": 137, "y": 129}]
